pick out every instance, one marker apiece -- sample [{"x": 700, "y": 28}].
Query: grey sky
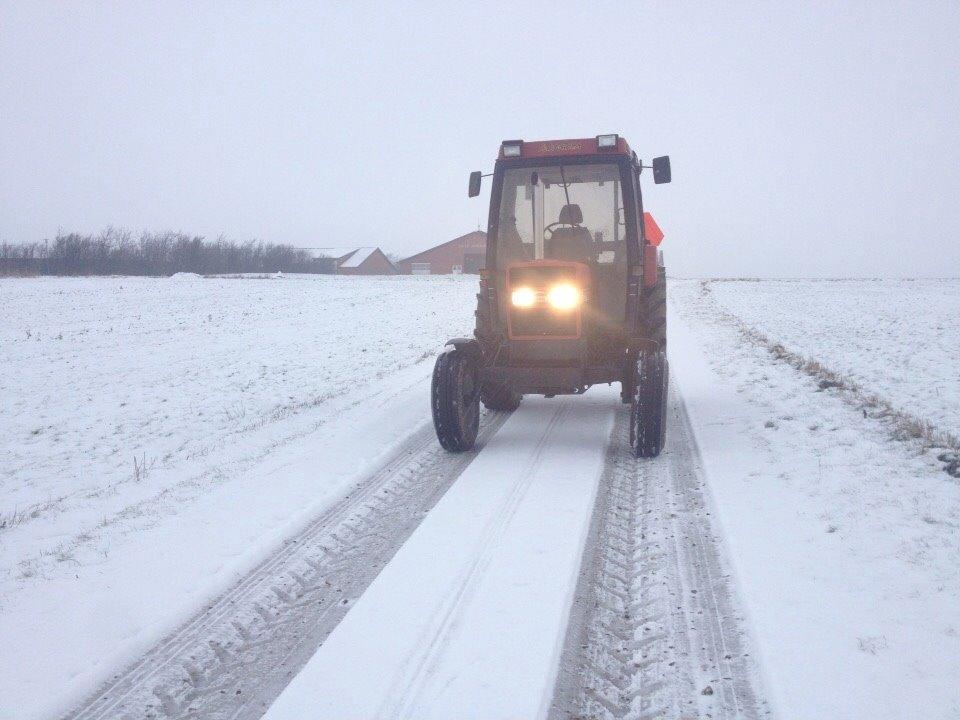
[{"x": 805, "y": 140}]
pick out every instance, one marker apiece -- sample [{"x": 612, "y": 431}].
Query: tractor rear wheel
[
  {"x": 648, "y": 411},
  {"x": 654, "y": 310},
  {"x": 455, "y": 400},
  {"x": 628, "y": 384},
  {"x": 497, "y": 396},
  {"x": 653, "y": 326}
]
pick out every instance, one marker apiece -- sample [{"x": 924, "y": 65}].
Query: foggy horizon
[{"x": 805, "y": 141}]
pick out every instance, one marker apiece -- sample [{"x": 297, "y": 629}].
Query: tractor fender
[
  {"x": 651, "y": 266},
  {"x": 469, "y": 346}
]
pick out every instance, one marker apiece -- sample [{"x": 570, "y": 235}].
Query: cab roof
[{"x": 564, "y": 148}]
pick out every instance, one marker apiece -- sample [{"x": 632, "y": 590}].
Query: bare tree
[{"x": 114, "y": 252}]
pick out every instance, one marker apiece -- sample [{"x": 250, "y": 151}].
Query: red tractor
[{"x": 573, "y": 294}]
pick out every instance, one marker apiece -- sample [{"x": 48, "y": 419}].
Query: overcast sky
[{"x": 807, "y": 140}]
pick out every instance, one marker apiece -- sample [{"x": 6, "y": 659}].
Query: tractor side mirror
[
  {"x": 661, "y": 170},
  {"x": 474, "y": 188}
]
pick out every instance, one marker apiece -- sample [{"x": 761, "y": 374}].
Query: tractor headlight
[
  {"x": 564, "y": 296},
  {"x": 523, "y": 297}
]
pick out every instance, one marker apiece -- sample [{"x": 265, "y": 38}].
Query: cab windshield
[{"x": 562, "y": 212}]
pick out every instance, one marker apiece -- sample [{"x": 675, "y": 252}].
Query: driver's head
[{"x": 571, "y": 215}]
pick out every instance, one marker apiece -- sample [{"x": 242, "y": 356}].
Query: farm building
[
  {"x": 352, "y": 261},
  {"x": 464, "y": 254}
]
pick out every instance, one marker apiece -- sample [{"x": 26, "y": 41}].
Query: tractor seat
[{"x": 570, "y": 243}]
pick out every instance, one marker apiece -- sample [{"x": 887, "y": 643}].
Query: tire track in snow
[
  {"x": 408, "y": 687},
  {"x": 655, "y": 630},
  {"x": 233, "y": 658}
]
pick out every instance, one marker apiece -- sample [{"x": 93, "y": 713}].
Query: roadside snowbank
[
  {"x": 845, "y": 542},
  {"x": 899, "y": 339}
]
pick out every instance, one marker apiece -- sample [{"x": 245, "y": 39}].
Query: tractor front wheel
[
  {"x": 648, "y": 411},
  {"x": 455, "y": 400}
]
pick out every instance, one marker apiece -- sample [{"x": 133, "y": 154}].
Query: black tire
[
  {"x": 648, "y": 411},
  {"x": 455, "y": 400},
  {"x": 496, "y": 396},
  {"x": 653, "y": 326},
  {"x": 628, "y": 385},
  {"x": 654, "y": 310}
]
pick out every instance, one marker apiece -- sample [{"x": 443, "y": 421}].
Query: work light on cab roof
[{"x": 573, "y": 293}]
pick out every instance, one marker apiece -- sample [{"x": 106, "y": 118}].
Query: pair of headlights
[{"x": 562, "y": 296}]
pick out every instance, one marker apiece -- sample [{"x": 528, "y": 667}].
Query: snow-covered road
[
  {"x": 467, "y": 620},
  {"x": 242, "y": 649}
]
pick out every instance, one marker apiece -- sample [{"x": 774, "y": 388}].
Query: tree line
[{"x": 118, "y": 252}]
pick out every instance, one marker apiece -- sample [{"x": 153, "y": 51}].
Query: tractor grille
[{"x": 541, "y": 321}]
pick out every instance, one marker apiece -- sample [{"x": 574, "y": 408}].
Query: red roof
[{"x": 479, "y": 235}]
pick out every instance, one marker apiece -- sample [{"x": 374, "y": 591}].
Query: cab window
[{"x": 562, "y": 212}]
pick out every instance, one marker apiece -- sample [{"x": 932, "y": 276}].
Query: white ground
[
  {"x": 467, "y": 620},
  {"x": 256, "y": 403},
  {"x": 846, "y": 542},
  {"x": 898, "y": 339}
]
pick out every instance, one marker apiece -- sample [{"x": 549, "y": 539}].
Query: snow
[
  {"x": 357, "y": 259},
  {"x": 336, "y": 252},
  {"x": 896, "y": 338},
  {"x": 249, "y": 405},
  {"x": 844, "y": 541},
  {"x": 467, "y": 620}
]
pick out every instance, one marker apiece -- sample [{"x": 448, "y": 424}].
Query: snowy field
[
  {"x": 253, "y": 405},
  {"x": 100, "y": 373},
  {"x": 896, "y": 339}
]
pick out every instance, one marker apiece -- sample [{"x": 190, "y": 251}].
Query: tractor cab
[
  {"x": 569, "y": 297},
  {"x": 548, "y": 215}
]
